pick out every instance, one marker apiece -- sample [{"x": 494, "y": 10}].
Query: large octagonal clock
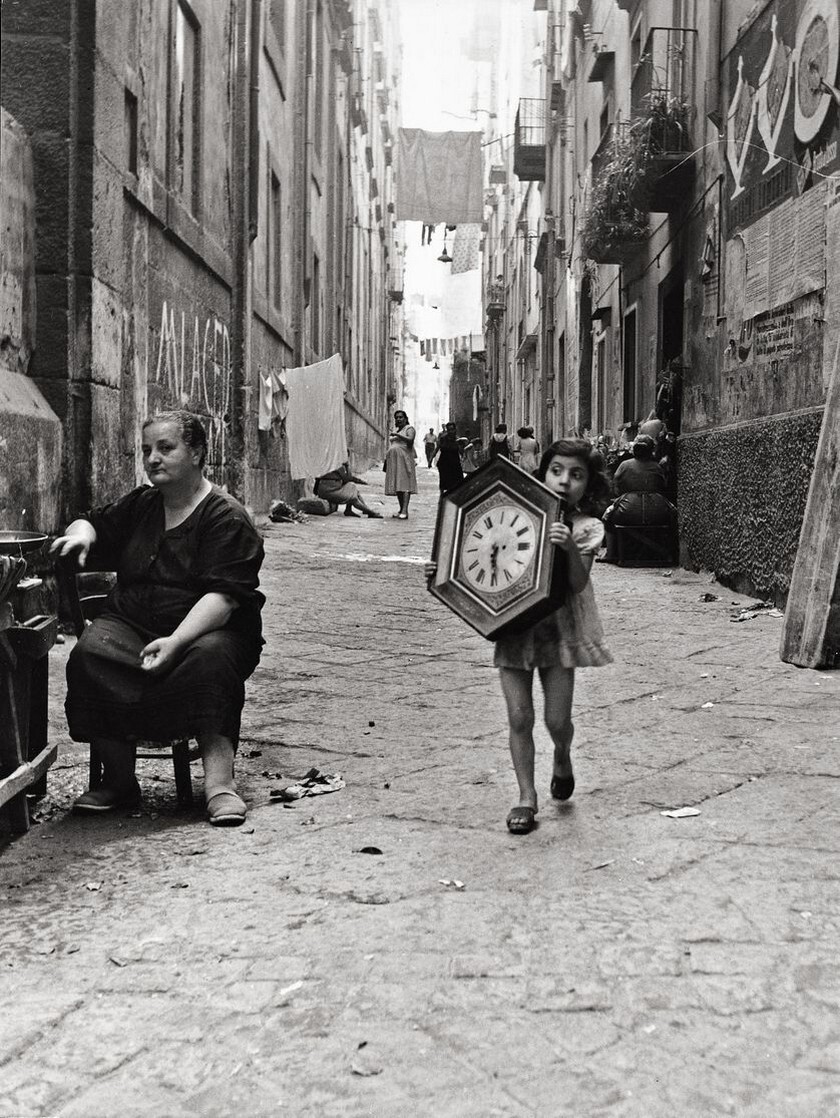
[{"x": 496, "y": 567}]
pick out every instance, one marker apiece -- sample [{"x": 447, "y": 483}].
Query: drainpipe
[
  {"x": 301, "y": 176},
  {"x": 713, "y": 45},
  {"x": 254, "y": 123},
  {"x": 240, "y": 298}
]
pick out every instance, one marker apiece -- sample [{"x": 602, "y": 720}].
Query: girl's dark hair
[
  {"x": 190, "y": 428},
  {"x": 524, "y": 432},
  {"x": 598, "y": 489}
]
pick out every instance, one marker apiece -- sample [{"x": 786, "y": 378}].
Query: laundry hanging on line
[
  {"x": 465, "y": 247},
  {"x": 315, "y": 423},
  {"x": 439, "y": 177}
]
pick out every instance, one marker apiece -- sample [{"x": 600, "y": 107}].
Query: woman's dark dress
[
  {"x": 450, "y": 470},
  {"x": 160, "y": 576}
]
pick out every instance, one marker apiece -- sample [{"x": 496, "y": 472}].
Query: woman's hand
[
  {"x": 561, "y": 536},
  {"x": 160, "y": 654},
  {"x": 429, "y": 570},
  {"x": 79, "y": 537}
]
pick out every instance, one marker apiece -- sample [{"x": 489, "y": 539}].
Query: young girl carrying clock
[{"x": 569, "y": 638}]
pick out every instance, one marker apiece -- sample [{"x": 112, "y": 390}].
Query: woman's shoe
[
  {"x": 108, "y": 799},
  {"x": 226, "y": 809},
  {"x": 348, "y": 511}
]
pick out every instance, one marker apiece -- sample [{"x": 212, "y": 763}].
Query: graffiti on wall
[
  {"x": 194, "y": 371},
  {"x": 783, "y": 117}
]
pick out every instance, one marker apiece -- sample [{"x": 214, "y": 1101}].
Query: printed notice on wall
[
  {"x": 757, "y": 243},
  {"x": 773, "y": 334},
  {"x": 786, "y": 253},
  {"x": 810, "y": 242}
]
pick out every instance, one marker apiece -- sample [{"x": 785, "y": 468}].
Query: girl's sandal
[
  {"x": 226, "y": 809},
  {"x": 562, "y": 787},
  {"x": 521, "y": 820}
]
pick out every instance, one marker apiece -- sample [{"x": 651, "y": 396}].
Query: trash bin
[{"x": 25, "y": 640}]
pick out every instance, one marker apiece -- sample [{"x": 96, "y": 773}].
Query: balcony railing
[
  {"x": 494, "y": 303},
  {"x": 529, "y": 139},
  {"x": 661, "y": 94},
  {"x": 661, "y": 85}
]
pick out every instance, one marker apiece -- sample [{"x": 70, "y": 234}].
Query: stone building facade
[
  {"x": 199, "y": 173},
  {"x": 687, "y": 250}
]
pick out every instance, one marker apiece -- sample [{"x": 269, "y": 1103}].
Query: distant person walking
[
  {"x": 528, "y": 449},
  {"x": 450, "y": 471},
  {"x": 430, "y": 445},
  {"x": 400, "y": 472},
  {"x": 499, "y": 445}
]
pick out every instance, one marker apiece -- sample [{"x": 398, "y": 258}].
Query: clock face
[
  {"x": 498, "y": 549},
  {"x": 495, "y": 565}
]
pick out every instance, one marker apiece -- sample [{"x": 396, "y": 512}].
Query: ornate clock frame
[{"x": 483, "y": 507}]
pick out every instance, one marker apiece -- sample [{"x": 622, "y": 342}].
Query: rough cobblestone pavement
[{"x": 616, "y": 962}]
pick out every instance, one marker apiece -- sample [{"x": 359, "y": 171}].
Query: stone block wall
[{"x": 742, "y": 496}]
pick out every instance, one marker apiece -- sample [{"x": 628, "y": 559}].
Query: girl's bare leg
[
  {"x": 559, "y": 688},
  {"x": 517, "y": 689}
]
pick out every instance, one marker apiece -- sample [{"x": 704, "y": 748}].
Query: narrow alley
[{"x": 389, "y": 949}]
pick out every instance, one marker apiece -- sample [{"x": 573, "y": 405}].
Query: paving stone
[{"x": 614, "y": 962}]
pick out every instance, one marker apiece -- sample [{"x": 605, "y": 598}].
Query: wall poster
[{"x": 783, "y": 115}]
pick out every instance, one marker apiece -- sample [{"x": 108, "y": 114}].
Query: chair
[
  {"x": 84, "y": 594},
  {"x": 644, "y": 531}
]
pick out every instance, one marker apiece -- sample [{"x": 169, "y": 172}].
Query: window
[
  {"x": 185, "y": 94},
  {"x": 630, "y": 358},
  {"x": 130, "y": 132},
  {"x": 275, "y": 243}
]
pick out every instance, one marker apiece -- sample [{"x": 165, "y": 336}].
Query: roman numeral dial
[{"x": 498, "y": 548}]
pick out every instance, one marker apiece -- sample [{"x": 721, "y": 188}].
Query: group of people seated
[
  {"x": 641, "y": 465},
  {"x": 643, "y": 471}
]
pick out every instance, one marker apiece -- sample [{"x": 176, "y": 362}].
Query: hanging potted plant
[{"x": 614, "y": 225}]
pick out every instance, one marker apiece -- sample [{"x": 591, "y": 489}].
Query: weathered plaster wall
[
  {"x": 742, "y": 498},
  {"x": 30, "y": 431}
]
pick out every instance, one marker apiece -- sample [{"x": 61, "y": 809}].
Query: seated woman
[
  {"x": 339, "y": 487},
  {"x": 181, "y": 630},
  {"x": 641, "y": 473},
  {"x": 640, "y": 483}
]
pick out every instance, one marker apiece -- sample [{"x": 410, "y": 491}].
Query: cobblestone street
[{"x": 615, "y": 962}]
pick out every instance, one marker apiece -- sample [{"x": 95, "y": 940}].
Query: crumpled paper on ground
[{"x": 315, "y": 783}]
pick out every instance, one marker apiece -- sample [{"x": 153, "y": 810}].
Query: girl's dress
[
  {"x": 572, "y": 636},
  {"x": 400, "y": 472}
]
